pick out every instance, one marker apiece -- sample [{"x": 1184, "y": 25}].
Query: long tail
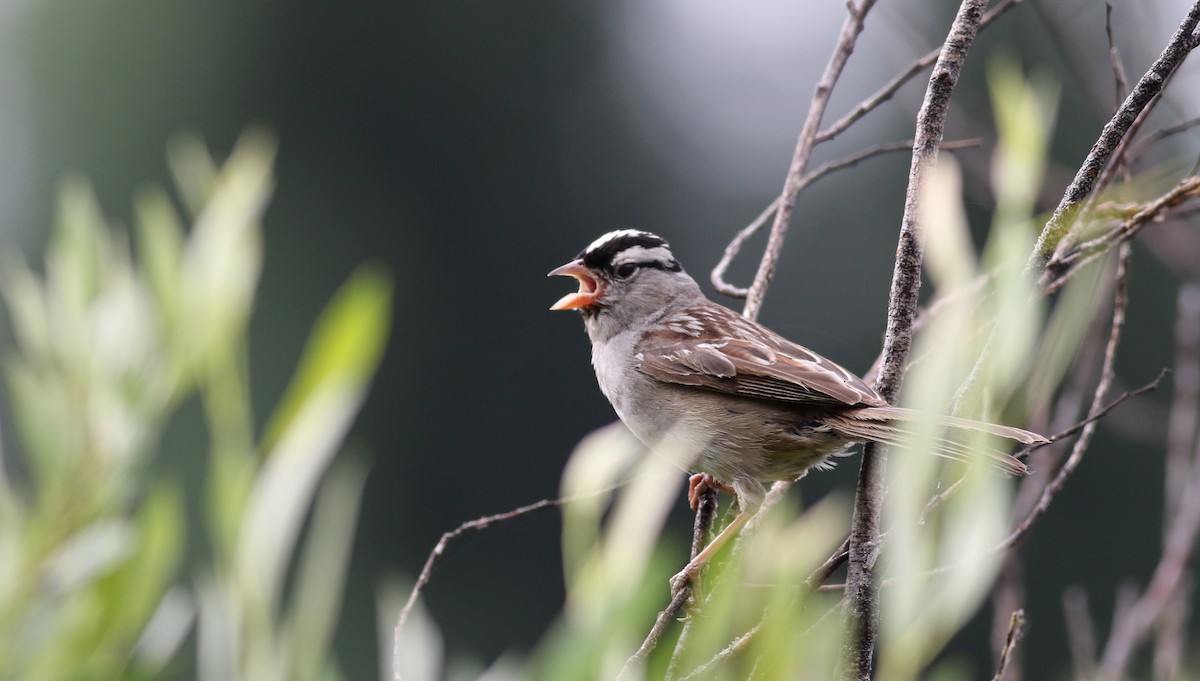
[{"x": 889, "y": 426}]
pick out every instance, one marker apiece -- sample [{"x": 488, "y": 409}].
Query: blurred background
[{"x": 470, "y": 147}]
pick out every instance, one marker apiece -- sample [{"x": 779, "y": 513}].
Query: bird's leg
[
  {"x": 692, "y": 569},
  {"x": 700, "y": 483},
  {"x": 749, "y": 493}
]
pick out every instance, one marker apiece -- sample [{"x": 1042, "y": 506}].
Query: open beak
[{"x": 590, "y": 287}]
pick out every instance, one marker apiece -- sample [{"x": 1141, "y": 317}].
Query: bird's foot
[
  {"x": 688, "y": 578},
  {"x": 700, "y": 483}
]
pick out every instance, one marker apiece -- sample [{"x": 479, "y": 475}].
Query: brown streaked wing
[{"x": 714, "y": 348}]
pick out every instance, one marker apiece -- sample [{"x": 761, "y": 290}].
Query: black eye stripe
[{"x": 672, "y": 266}]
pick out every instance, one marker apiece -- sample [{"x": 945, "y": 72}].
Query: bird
[{"x": 753, "y": 406}]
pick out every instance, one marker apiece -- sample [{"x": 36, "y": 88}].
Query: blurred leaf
[
  {"x": 160, "y": 254},
  {"x": 139, "y": 586},
  {"x": 310, "y": 622},
  {"x": 194, "y": 170},
  {"x": 89, "y": 554},
  {"x": 222, "y": 259},
  {"x": 163, "y": 634},
  {"x": 317, "y": 409},
  {"x": 346, "y": 345},
  {"x": 26, "y": 303},
  {"x": 78, "y": 251}
]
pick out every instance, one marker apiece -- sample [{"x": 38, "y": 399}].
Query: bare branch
[
  {"x": 476, "y": 524},
  {"x": 1016, "y": 629},
  {"x": 1051, "y": 240},
  {"x": 1183, "y": 526},
  {"x": 1081, "y": 631},
  {"x": 939, "y": 498},
  {"x": 877, "y": 150},
  {"x": 1185, "y": 400},
  {"x": 830, "y": 566},
  {"x": 1103, "y": 411},
  {"x": 705, "y": 511},
  {"x": 1144, "y": 143},
  {"x": 1063, "y": 265},
  {"x": 1120, "y": 301},
  {"x": 851, "y": 28},
  {"x": 1114, "y": 57},
  {"x": 735, "y": 646},
  {"x": 735, "y": 245},
  {"x": 652, "y": 639},
  {"x": 1170, "y": 633},
  {"x": 889, "y": 90},
  {"x": 862, "y": 606},
  {"x": 1008, "y": 596}
]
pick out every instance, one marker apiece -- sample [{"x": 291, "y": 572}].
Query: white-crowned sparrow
[{"x": 753, "y": 405}]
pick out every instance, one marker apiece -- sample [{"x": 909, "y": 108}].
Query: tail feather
[
  {"x": 886, "y": 425},
  {"x": 901, "y": 414}
]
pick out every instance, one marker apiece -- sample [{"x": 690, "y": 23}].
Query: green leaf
[
  {"x": 321, "y": 573},
  {"x": 346, "y": 344},
  {"x": 223, "y": 257},
  {"x": 318, "y": 408},
  {"x": 160, "y": 251}
]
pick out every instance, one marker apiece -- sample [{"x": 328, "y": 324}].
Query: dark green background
[{"x": 473, "y": 146}]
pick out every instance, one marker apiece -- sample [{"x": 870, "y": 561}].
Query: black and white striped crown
[{"x": 629, "y": 245}]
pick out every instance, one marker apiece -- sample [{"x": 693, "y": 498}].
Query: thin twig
[
  {"x": 851, "y": 28},
  {"x": 1016, "y": 629},
  {"x": 1066, "y": 264},
  {"x": 739, "y": 644},
  {"x": 877, "y": 150},
  {"x": 1170, "y": 633},
  {"x": 1010, "y": 541},
  {"x": 476, "y": 524},
  {"x": 830, "y": 566},
  {"x": 1120, "y": 162},
  {"x": 939, "y": 498},
  {"x": 700, "y": 529},
  {"x": 862, "y": 605},
  {"x": 1008, "y": 596},
  {"x": 1051, "y": 240},
  {"x": 735, "y": 245},
  {"x": 1103, "y": 411},
  {"x": 661, "y": 623},
  {"x": 705, "y": 513},
  {"x": 1182, "y": 418},
  {"x": 1120, "y": 302},
  {"x": 1114, "y": 57},
  {"x": 1081, "y": 631},
  {"x": 1144, "y": 143},
  {"x": 889, "y": 90},
  {"x": 1182, "y": 527}
]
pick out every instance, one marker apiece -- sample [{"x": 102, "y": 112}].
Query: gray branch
[{"x": 862, "y": 605}]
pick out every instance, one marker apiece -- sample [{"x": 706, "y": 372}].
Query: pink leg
[{"x": 699, "y": 483}]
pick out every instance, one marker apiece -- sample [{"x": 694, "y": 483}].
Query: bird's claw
[{"x": 700, "y": 483}]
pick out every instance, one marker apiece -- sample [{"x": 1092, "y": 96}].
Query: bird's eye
[{"x": 625, "y": 271}]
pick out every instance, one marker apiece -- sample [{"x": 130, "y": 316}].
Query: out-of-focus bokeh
[{"x": 470, "y": 147}]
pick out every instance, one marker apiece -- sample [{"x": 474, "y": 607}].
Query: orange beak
[{"x": 590, "y": 287}]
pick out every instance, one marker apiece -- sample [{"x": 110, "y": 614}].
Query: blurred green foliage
[{"x": 109, "y": 342}]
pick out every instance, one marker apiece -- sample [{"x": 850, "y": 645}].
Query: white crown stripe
[{"x": 616, "y": 235}]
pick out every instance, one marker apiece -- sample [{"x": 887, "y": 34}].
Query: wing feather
[{"x": 714, "y": 348}]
